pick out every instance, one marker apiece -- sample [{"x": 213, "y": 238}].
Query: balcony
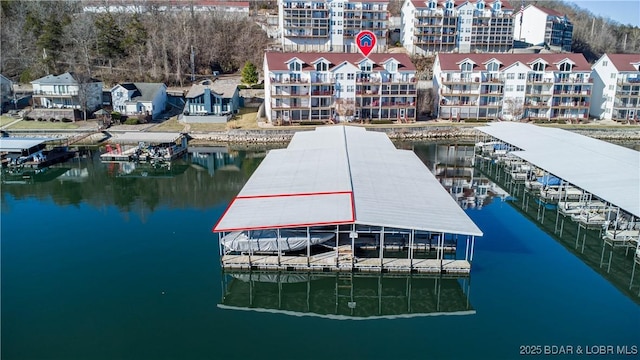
[
  {"x": 618, "y": 105},
  {"x": 288, "y": 80},
  {"x": 629, "y": 81},
  {"x": 456, "y": 80},
  {"x": 539, "y": 80},
  {"x": 55, "y": 93},
  {"x": 536, "y": 104},
  {"x": 571, "y": 104},
  {"x": 321, "y": 93},
  {"x": 572, "y": 80}
]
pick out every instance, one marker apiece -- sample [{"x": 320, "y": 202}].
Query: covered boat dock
[
  {"x": 32, "y": 152},
  {"x": 598, "y": 182},
  {"x": 145, "y": 146},
  {"x": 384, "y": 209}
]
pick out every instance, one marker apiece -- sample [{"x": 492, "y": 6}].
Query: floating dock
[{"x": 380, "y": 204}]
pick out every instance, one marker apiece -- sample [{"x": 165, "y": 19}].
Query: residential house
[
  {"x": 67, "y": 91},
  {"x": 616, "y": 87},
  {"x": 218, "y": 99},
  {"x": 331, "y": 25},
  {"x": 541, "y": 26},
  {"x": 6, "y": 92},
  {"x": 139, "y": 99},
  {"x": 304, "y": 87},
  {"x": 435, "y": 26},
  {"x": 512, "y": 86}
]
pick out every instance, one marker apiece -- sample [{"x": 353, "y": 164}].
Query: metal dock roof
[
  {"x": 18, "y": 144},
  {"x": 343, "y": 175},
  {"x": 148, "y": 137},
  {"x": 608, "y": 171}
]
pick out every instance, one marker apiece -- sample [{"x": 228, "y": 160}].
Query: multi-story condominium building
[
  {"x": 432, "y": 26},
  {"x": 538, "y": 26},
  {"x": 512, "y": 86},
  {"x": 339, "y": 87},
  {"x": 331, "y": 25},
  {"x": 616, "y": 87}
]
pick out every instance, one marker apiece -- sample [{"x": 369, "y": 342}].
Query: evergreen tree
[{"x": 249, "y": 73}]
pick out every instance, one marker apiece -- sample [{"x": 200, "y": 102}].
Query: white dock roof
[
  {"x": 147, "y": 137},
  {"x": 18, "y": 144},
  {"x": 344, "y": 175},
  {"x": 606, "y": 170}
]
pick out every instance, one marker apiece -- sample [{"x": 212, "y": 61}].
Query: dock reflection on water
[{"x": 345, "y": 296}]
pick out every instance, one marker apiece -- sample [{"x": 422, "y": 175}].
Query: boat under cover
[{"x": 268, "y": 240}]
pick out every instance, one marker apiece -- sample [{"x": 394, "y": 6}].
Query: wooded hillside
[{"x": 40, "y": 37}]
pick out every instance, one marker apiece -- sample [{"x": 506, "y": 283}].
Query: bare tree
[{"x": 513, "y": 108}]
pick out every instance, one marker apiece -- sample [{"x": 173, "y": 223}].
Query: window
[
  {"x": 339, "y": 76},
  {"x": 339, "y": 31},
  {"x": 365, "y": 67},
  {"x": 432, "y": 5},
  {"x": 605, "y": 63},
  {"x": 493, "y": 67},
  {"x": 508, "y": 88},
  {"x": 565, "y": 67},
  {"x": 520, "y": 88},
  {"x": 611, "y": 87},
  {"x": 469, "y": 12},
  {"x": 449, "y": 5},
  {"x": 613, "y": 75},
  {"x": 392, "y": 67},
  {"x": 511, "y": 76},
  {"x": 350, "y": 88},
  {"x": 351, "y": 76},
  {"x": 497, "y": 5},
  {"x": 480, "y": 5},
  {"x": 538, "y": 67},
  {"x": 466, "y": 67},
  {"x": 295, "y": 66},
  {"x": 521, "y": 76},
  {"x": 322, "y": 66}
]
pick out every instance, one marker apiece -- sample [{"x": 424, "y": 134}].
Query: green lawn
[{"x": 4, "y": 120}]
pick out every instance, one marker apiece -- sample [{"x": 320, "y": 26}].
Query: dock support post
[
  {"x": 473, "y": 243},
  {"x": 308, "y": 248},
  {"x": 381, "y": 248},
  {"x": 411, "y": 244},
  {"x": 337, "y": 239},
  {"x": 278, "y": 242}
]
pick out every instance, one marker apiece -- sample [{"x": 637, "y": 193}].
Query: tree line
[{"x": 51, "y": 37}]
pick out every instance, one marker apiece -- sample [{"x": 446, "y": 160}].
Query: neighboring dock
[{"x": 345, "y": 199}]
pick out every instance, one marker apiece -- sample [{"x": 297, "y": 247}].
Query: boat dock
[
  {"x": 145, "y": 146},
  {"x": 593, "y": 184},
  {"x": 343, "y": 199},
  {"x": 33, "y": 153}
]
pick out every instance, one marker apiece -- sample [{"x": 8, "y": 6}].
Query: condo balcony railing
[
  {"x": 576, "y": 80},
  {"x": 629, "y": 80},
  {"x": 571, "y": 92},
  {"x": 620, "y": 93},
  {"x": 626, "y": 105},
  {"x": 55, "y": 93},
  {"x": 571, "y": 104}
]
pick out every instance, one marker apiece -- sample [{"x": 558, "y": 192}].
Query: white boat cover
[{"x": 268, "y": 240}]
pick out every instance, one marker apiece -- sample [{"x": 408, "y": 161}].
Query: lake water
[{"x": 118, "y": 262}]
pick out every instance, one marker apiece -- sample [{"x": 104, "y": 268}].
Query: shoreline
[{"x": 240, "y": 137}]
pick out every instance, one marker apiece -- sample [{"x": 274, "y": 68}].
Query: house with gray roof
[
  {"x": 67, "y": 91},
  {"x": 217, "y": 99},
  {"x": 149, "y": 99}
]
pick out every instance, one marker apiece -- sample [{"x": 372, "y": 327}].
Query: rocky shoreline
[
  {"x": 399, "y": 134},
  {"x": 280, "y": 136}
]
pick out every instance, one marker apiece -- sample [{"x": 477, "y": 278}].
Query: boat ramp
[{"x": 343, "y": 199}]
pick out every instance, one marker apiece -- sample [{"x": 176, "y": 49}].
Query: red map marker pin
[{"x": 366, "y": 41}]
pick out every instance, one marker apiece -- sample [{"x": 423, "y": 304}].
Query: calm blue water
[{"x": 97, "y": 265}]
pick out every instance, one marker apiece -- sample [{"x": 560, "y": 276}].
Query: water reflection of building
[
  {"x": 147, "y": 170},
  {"x": 453, "y": 165},
  {"x": 214, "y": 158},
  {"x": 30, "y": 176},
  {"x": 344, "y": 296}
]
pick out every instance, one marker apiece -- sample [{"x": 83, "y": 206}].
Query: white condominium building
[
  {"x": 541, "y": 26},
  {"x": 434, "y": 26},
  {"x": 331, "y": 25},
  {"x": 339, "y": 87},
  {"x": 553, "y": 87},
  {"x": 616, "y": 87}
]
